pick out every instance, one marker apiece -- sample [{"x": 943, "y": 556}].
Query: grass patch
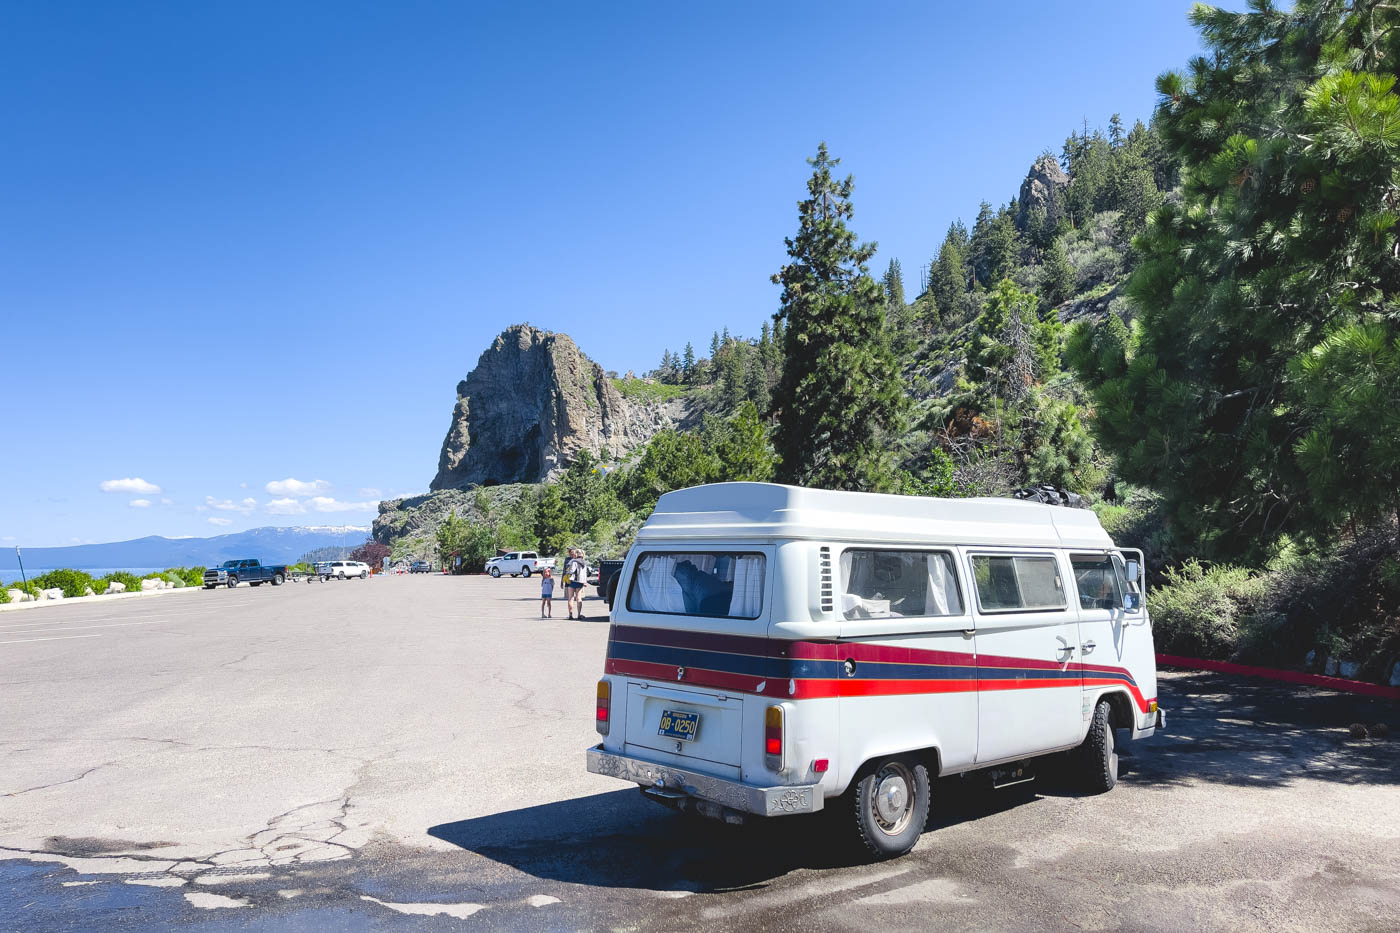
[{"x": 643, "y": 391}]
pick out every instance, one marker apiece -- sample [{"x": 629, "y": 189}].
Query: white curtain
[
  {"x": 657, "y": 586},
  {"x": 748, "y": 587},
  {"x": 942, "y": 598}
]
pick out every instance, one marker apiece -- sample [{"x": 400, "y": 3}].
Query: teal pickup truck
[{"x": 233, "y": 572}]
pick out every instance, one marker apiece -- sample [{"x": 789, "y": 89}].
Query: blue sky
[{"x": 243, "y": 244}]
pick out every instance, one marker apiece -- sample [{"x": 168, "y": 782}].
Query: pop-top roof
[{"x": 768, "y": 510}]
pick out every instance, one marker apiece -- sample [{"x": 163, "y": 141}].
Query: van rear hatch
[{"x": 691, "y": 724}]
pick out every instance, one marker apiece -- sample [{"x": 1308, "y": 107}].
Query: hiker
[{"x": 547, "y": 593}]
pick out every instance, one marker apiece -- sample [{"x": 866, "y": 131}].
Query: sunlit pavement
[{"x": 409, "y": 751}]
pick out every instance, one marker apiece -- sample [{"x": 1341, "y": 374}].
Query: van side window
[
  {"x": 1097, "y": 580},
  {"x": 1017, "y": 584},
  {"x": 882, "y": 584},
  {"x": 718, "y": 584}
]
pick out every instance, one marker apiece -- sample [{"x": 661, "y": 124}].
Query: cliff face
[{"x": 530, "y": 405}]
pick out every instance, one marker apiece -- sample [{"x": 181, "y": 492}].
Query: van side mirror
[{"x": 1134, "y": 571}]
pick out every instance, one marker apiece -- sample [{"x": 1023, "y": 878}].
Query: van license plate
[{"x": 678, "y": 724}]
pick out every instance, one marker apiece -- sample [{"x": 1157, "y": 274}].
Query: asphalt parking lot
[{"x": 408, "y": 752}]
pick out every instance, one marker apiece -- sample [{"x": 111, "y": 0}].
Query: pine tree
[
  {"x": 840, "y": 397},
  {"x": 1058, "y": 279},
  {"x": 714, "y": 347},
  {"x": 688, "y": 364},
  {"x": 979, "y": 257},
  {"x": 1257, "y": 396},
  {"x": 894, "y": 285},
  {"x": 948, "y": 277}
]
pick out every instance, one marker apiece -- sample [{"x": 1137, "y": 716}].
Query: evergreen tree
[
  {"x": 979, "y": 248},
  {"x": 688, "y": 364},
  {"x": 894, "y": 286},
  {"x": 714, "y": 346},
  {"x": 554, "y": 521},
  {"x": 948, "y": 278},
  {"x": 1058, "y": 280},
  {"x": 840, "y": 397},
  {"x": 1257, "y": 396}
]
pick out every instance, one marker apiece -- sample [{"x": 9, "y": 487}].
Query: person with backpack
[{"x": 575, "y": 575}]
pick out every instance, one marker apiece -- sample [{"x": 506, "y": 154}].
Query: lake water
[{"x": 95, "y": 572}]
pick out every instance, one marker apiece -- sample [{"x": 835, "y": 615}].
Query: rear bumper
[{"x": 764, "y": 801}]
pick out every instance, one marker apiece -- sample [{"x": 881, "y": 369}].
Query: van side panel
[{"x": 908, "y": 693}]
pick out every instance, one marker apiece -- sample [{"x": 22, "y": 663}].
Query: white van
[{"x": 775, "y": 648}]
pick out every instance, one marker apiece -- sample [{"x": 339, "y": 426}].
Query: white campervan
[{"x": 774, "y": 648}]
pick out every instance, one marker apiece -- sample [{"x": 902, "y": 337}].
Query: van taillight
[
  {"x": 773, "y": 738},
  {"x": 600, "y": 721}
]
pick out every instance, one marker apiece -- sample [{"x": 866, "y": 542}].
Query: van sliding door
[{"x": 1028, "y": 681}]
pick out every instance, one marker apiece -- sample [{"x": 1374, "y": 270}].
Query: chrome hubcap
[{"x": 894, "y": 798}]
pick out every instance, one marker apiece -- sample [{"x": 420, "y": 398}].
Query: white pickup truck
[{"x": 518, "y": 564}]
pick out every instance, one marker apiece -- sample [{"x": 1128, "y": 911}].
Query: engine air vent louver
[{"x": 824, "y": 574}]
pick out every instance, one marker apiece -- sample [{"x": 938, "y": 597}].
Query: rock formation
[
  {"x": 1042, "y": 191},
  {"x": 530, "y": 405}
]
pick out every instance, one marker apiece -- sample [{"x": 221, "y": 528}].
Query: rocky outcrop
[
  {"x": 530, "y": 405},
  {"x": 1041, "y": 193}
]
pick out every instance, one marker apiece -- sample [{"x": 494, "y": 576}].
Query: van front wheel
[
  {"x": 891, "y": 804},
  {"x": 1097, "y": 758}
]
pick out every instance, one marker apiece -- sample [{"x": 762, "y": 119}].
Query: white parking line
[
  {"x": 35, "y": 631},
  {"x": 53, "y": 638},
  {"x": 28, "y": 623}
]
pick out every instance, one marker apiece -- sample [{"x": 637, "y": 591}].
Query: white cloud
[
  {"x": 369, "y": 492},
  {"x": 296, "y": 487},
  {"x": 131, "y": 484},
  {"x": 167, "y": 502},
  {"x": 215, "y": 520},
  {"x": 329, "y": 504},
  {"x": 285, "y": 507},
  {"x": 8, "y": 538},
  {"x": 140, "y": 503},
  {"x": 228, "y": 505}
]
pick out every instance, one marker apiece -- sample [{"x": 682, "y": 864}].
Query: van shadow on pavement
[{"x": 621, "y": 839}]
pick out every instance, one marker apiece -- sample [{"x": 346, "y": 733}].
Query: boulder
[
  {"x": 153, "y": 584},
  {"x": 54, "y": 593},
  {"x": 116, "y": 586},
  {"x": 1349, "y": 669},
  {"x": 88, "y": 591},
  {"x": 1394, "y": 671},
  {"x": 1330, "y": 668},
  {"x": 19, "y": 596}
]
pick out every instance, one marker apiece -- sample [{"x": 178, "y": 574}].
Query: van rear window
[
  {"x": 717, "y": 584},
  {"x": 1012, "y": 584}
]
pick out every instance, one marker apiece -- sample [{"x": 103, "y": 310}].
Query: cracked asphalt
[{"x": 408, "y": 753}]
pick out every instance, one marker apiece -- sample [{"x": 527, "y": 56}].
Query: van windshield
[{"x": 718, "y": 584}]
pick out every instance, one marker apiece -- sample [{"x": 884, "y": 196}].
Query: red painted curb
[{"x": 1292, "y": 677}]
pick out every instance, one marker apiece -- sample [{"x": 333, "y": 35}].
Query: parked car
[
  {"x": 420, "y": 566},
  {"x": 778, "y": 650},
  {"x": 609, "y": 571},
  {"x": 518, "y": 564},
  {"x": 246, "y": 570},
  {"x": 345, "y": 569}
]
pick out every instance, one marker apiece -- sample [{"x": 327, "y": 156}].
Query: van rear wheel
[
  {"x": 890, "y": 805},
  {"x": 1097, "y": 759}
]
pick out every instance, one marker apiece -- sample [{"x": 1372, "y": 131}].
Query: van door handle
[
  {"x": 1069, "y": 648},
  {"x": 1088, "y": 646}
]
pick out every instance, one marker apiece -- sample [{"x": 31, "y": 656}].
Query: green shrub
[
  {"x": 186, "y": 576},
  {"x": 648, "y": 391},
  {"x": 129, "y": 580},
  {"x": 1199, "y": 611},
  {"x": 73, "y": 583},
  {"x": 4, "y": 595}
]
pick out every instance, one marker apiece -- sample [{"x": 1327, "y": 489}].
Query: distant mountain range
[{"x": 270, "y": 545}]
